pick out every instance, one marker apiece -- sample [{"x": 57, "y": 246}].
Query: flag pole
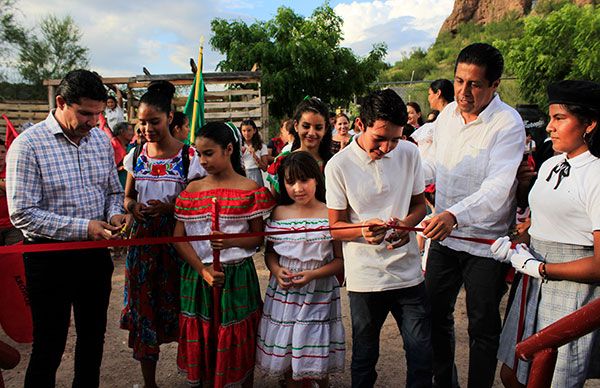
[{"x": 197, "y": 85}]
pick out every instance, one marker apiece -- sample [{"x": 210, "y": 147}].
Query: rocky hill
[{"x": 486, "y": 11}]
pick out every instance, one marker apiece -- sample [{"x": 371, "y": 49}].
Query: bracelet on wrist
[
  {"x": 543, "y": 271},
  {"x": 362, "y": 230}
]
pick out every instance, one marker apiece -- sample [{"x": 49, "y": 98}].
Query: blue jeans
[
  {"x": 410, "y": 309},
  {"x": 483, "y": 278}
]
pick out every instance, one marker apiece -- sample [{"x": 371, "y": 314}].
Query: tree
[
  {"x": 298, "y": 57},
  {"x": 565, "y": 44},
  {"x": 53, "y": 52},
  {"x": 10, "y": 32}
]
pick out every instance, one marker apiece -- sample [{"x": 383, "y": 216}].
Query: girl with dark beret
[{"x": 562, "y": 255}]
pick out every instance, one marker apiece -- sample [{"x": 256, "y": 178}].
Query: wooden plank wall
[{"x": 21, "y": 112}]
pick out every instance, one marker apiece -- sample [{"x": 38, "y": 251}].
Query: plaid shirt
[{"x": 55, "y": 187}]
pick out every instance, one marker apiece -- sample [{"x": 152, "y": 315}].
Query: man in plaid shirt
[{"x": 62, "y": 185}]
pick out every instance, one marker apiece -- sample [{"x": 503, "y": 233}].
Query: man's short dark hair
[
  {"x": 483, "y": 55},
  {"x": 78, "y": 84},
  {"x": 385, "y": 105}
]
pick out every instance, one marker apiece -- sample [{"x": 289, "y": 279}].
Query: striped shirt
[{"x": 55, "y": 187}]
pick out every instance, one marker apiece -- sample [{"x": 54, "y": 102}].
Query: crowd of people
[{"x": 348, "y": 201}]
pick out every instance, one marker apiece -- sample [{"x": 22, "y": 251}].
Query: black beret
[{"x": 571, "y": 92}]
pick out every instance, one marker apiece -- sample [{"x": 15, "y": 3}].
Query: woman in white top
[
  {"x": 255, "y": 155},
  {"x": 563, "y": 256},
  {"x": 158, "y": 172}
]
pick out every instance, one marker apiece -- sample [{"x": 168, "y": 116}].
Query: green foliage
[
  {"x": 10, "y": 32},
  {"x": 298, "y": 57},
  {"x": 416, "y": 65},
  {"x": 21, "y": 91},
  {"x": 438, "y": 60},
  {"x": 52, "y": 52},
  {"x": 564, "y": 44}
]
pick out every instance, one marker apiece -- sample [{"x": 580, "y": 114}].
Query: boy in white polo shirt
[{"x": 379, "y": 177}]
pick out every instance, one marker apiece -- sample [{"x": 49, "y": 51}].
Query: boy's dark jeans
[{"x": 410, "y": 309}]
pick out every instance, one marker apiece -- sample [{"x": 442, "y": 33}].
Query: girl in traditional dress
[
  {"x": 311, "y": 134},
  {"x": 301, "y": 335},
  {"x": 220, "y": 349},
  {"x": 180, "y": 126},
  {"x": 563, "y": 257},
  {"x": 158, "y": 171},
  {"x": 254, "y": 152}
]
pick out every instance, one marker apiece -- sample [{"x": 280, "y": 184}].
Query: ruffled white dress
[{"x": 301, "y": 328}]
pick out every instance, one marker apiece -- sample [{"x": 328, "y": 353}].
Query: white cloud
[
  {"x": 162, "y": 35},
  {"x": 403, "y": 25},
  {"x": 125, "y": 36}
]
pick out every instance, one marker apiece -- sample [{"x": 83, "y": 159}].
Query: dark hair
[
  {"x": 483, "y": 55},
  {"x": 222, "y": 134},
  {"x": 586, "y": 116},
  {"x": 120, "y": 127},
  {"x": 78, "y": 84},
  {"x": 407, "y": 131},
  {"x": 342, "y": 114},
  {"x": 299, "y": 165},
  {"x": 289, "y": 126},
  {"x": 179, "y": 119},
  {"x": 445, "y": 86},
  {"x": 159, "y": 95},
  {"x": 435, "y": 114},
  {"x": 385, "y": 105},
  {"x": 314, "y": 105},
  {"x": 256, "y": 141},
  {"x": 417, "y": 109},
  {"x": 111, "y": 98}
]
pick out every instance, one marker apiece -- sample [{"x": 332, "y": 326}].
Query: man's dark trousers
[
  {"x": 483, "y": 278},
  {"x": 57, "y": 281}
]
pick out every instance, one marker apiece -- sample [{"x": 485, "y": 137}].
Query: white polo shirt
[
  {"x": 570, "y": 212},
  {"x": 376, "y": 189},
  {"x": 474, "y": 167}
]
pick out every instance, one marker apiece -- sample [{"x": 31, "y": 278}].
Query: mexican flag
[{"x": 194, "y": 107}]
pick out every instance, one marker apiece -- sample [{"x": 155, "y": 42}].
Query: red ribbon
[{"x": 77, "y": 245}]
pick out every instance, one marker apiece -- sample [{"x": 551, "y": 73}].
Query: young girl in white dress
[{"x": 301, "y": 335}]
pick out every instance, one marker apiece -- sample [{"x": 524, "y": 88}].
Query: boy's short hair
[{"x": 385, "y": 105}]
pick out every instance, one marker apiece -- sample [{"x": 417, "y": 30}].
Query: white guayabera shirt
[{"x": 474, "y": 169}]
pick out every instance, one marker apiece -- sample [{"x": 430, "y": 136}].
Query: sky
[{"x": 124, "y": 36}]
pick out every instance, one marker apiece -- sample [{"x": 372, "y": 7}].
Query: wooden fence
[
  {"x": 21, "y": 112},
  {"x": 221, "y": 102}
]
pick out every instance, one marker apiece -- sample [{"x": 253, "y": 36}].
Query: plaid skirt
[
  {"x": 546, "y": 304},
  {"x": 223, "y": 355}
]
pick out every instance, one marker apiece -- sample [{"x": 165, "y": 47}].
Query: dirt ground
[{"x": 119, "y": 369}]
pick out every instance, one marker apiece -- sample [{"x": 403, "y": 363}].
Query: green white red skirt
[{"x": 223, "y": 356}]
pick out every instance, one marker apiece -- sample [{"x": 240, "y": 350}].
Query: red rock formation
[{"x": 486, "y": 11}]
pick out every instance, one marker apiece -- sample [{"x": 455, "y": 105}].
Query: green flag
[{"x": 194, "y": 107}]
